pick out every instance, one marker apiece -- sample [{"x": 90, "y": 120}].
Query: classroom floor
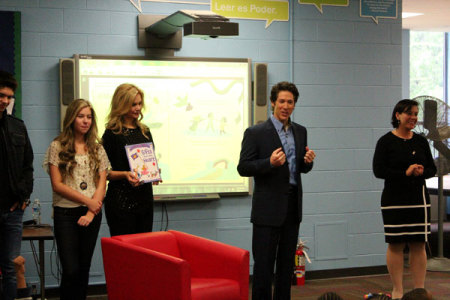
[{"x": 354, "y": 288}]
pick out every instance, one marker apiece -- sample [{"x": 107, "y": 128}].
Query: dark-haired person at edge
[
  {"x": 417, "y": 294},
  {"x": 330, "y": 296},
  {"x": 275, "y": 153},
  {"x": 403, "y": 159},
  {"x": 16, "y": 184},
  {"x": 77, "y": 165},
  {"x": 128, "y": 202}
]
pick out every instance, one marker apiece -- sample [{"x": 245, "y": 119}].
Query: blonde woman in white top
[{"x": 77, "y": 165}]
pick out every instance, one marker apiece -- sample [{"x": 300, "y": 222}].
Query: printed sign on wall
[
  {"x": 376, "y": 9},
  {"x": 320, "y": 3},
  {"x": 268, "y": 10},
  {"x": 252, "y": 9}
]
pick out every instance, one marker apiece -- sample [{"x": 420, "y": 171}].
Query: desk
[
  {"x": 39, "y": 233},
  {"x": 432, "y": 185}
]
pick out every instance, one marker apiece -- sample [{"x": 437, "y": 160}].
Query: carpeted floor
[
  {"x": 350, "y": 288},
  {"x": 354, "y": 288}
]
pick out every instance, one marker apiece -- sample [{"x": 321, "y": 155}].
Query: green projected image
[{"x": 197, "y": 112}]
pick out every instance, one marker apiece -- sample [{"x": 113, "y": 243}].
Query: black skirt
[{"x": 406, "y": 214}]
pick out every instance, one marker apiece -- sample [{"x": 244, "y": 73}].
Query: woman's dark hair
[
  {"x": 283, "y": 86},
  {"x": 402, "y": 106},
  {"x": 330, "y": 296},
  {"x": 7, "y": 80},
  {"x": 417, "y": 294}
]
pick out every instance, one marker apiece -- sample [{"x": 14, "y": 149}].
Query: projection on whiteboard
[{"x": 197, "y": 112}]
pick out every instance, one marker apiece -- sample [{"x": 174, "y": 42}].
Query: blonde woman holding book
[{"x": 129, "y": 201}]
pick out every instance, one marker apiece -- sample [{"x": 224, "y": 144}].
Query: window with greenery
[{"x": 427, "y": 64}]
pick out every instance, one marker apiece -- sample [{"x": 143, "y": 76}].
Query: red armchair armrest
[{"x": 133, "y": 272}]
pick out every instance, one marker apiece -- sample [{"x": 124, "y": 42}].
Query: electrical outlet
[{"x": 34, "y": 287}]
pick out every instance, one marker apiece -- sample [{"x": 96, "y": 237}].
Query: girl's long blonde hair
[
  {"x": 67, "y": 140},
  {"x": 121, "y": 103}
]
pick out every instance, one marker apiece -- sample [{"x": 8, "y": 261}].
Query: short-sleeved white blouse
[{"x": 81, "y": 173}]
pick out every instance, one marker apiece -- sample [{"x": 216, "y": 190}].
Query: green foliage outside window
[{"x": 426, "y": 64}]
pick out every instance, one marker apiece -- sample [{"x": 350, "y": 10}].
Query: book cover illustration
[{"x": 142, "y": 160}]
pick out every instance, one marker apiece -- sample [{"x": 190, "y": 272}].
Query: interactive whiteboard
[{"x": 197, "y": 110}]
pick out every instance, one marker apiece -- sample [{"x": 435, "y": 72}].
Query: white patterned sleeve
[
  {"x": 104, "y": 161},
  {"x": 51, "y": 156}
]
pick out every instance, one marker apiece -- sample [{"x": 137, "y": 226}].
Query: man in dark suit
[{"x": 275, "y": 152}]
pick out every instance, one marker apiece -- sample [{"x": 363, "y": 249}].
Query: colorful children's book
[{"x": 142, "y": 160}]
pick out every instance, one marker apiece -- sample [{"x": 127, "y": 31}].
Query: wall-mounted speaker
[
  {"x": 66, "y": 84},
  {"x": 260, "y": 97},
  {"x": 67, "y": 80}
]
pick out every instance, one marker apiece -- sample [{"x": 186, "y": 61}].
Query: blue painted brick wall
[{"x": 347, "y": 68}]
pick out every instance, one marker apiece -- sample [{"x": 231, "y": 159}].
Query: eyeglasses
[{"x": 7, "y": 96}]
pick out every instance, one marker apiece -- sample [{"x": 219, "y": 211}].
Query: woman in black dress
[
  {"x": 128, "y": 202},
  {"x": 403, "y": 159}
]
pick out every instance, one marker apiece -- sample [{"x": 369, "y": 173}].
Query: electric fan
[{"x": 433, "y": 123}]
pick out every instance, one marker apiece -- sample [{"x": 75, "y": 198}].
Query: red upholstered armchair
[{"x": 172, "y": 265}]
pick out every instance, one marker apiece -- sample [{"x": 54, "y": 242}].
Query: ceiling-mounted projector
[
  {"x": 208, "y": 29},
  {"x": 197, "y": 23},
  {"x": 161, "y": 35}
]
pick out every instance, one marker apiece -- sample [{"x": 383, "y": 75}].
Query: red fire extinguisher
[
  {"x": 300, "y": 266},
  {"x": 300, "y": 261}
]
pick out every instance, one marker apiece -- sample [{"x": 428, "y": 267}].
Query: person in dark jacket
[
  {"x": 16, "y": 183},
  {"x": 275, "y": 153}
]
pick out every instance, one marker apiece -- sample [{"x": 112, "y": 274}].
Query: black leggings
[{"x": 76, "y": 246}]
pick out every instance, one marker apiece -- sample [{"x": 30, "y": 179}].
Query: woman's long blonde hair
[
  {"x": 121, "y": 103},
  {"x": 67, "y": 140}
]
